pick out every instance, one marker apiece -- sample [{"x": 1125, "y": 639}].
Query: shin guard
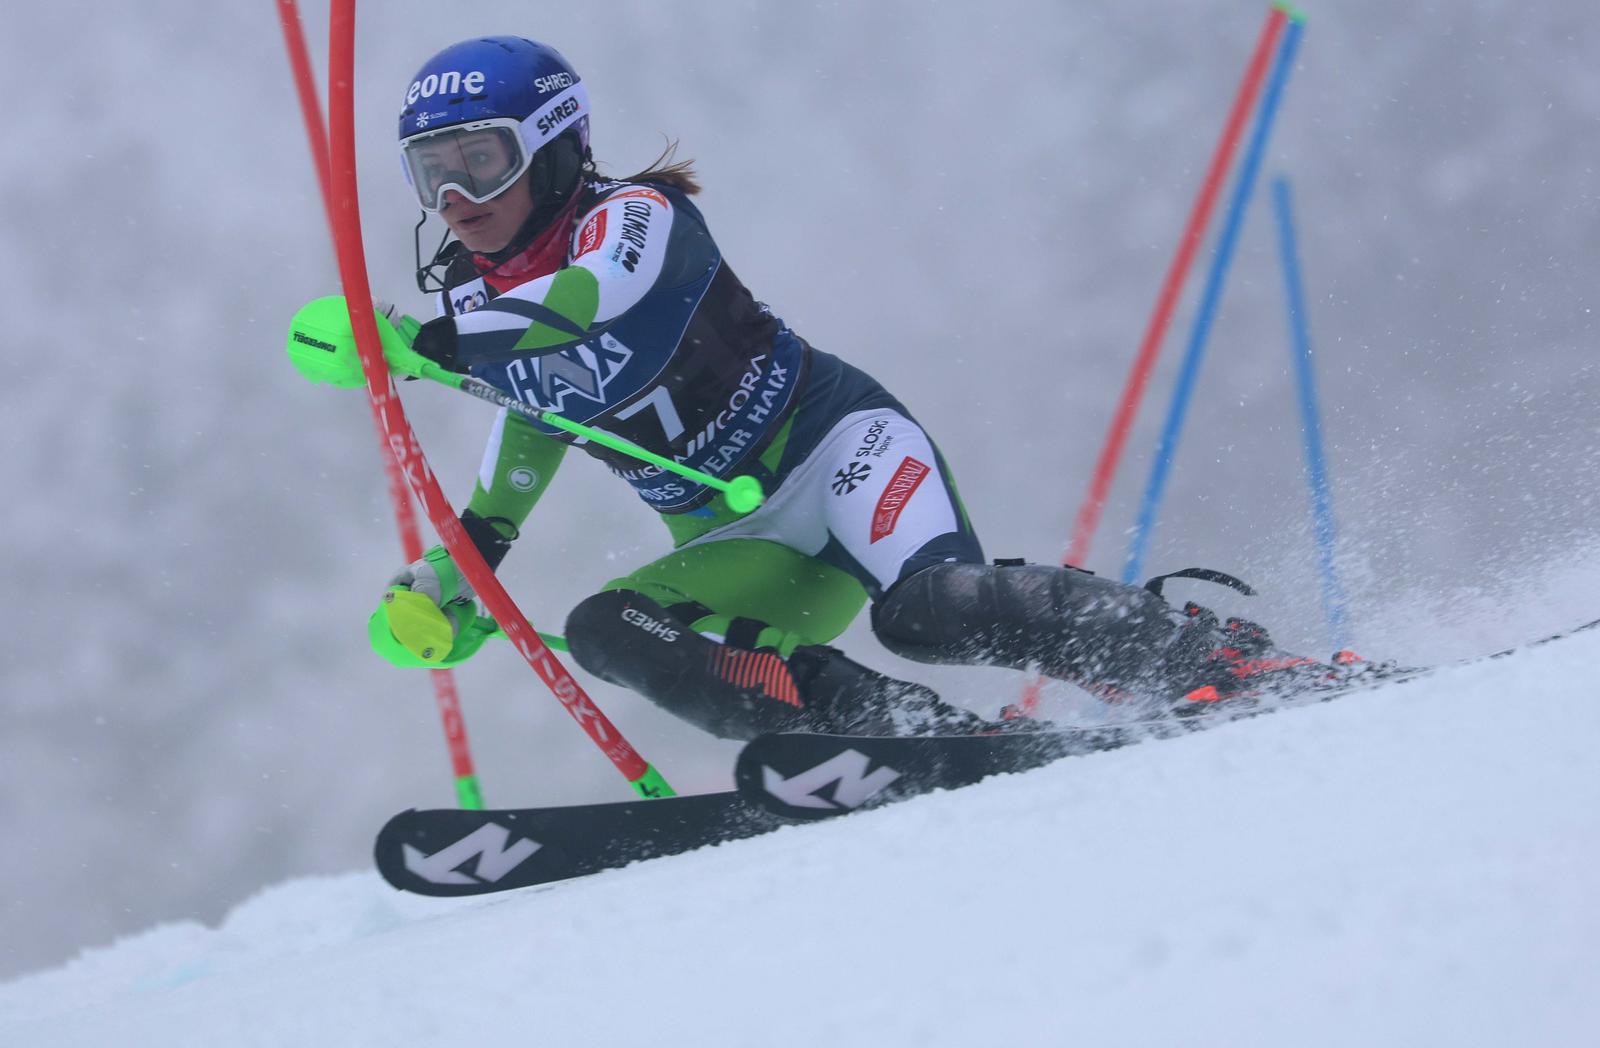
[
  {"x": 1068, "y": 623},
  {"x": 626, "y": 638}
]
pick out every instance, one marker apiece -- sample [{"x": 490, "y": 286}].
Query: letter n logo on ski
[
  {"x": 490, "y": 844},
  {"x": 893, "y": 501},
  {"x": 846, "y": 773}
]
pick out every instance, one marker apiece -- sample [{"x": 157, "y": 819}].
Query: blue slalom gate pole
[
  {"x": 1310, "y": 425},
  {"x": 1209, "y": 302}
]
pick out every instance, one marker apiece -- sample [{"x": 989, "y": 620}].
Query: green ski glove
[
  {"x": 322, "y": 346},
  {"x": 429, "y": 616}
]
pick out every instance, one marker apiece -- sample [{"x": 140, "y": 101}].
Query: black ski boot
[
  {"x": 738, "y": 693},
  {"x": 1116, "y": 641},
  {"x": 1236, "y": 658},
  {"x": 1216, "y": 660}
]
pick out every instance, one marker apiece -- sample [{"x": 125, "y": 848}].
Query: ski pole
[
  {"x": 319, "y": 348},
  {"x": 1210, "y": 300},
  {"x": 1310, "y": 424},
  {"x": 469, "y": 793},
  {"x": 743, "y": 493},
  {"x": 644, "y": 778}
]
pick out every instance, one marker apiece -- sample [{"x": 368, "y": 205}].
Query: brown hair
[{"x": 677, "y": 174}]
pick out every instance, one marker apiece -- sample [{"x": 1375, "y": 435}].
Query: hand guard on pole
[
  {"x": 429, "y": 615},
  {"x": 322, "y": 346}
]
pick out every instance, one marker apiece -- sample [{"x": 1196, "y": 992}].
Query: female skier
[{"x": 610, "y": 303}]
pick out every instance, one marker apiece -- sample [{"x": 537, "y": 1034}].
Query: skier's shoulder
[
  {"x": 599, "y": 192},
  {"x": 661, "y": 206},
  {"x": 630, "y": 220}
]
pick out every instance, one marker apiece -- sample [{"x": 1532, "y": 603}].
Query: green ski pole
[
  {"x": 743, "y": 494},
  {"x": 321, "y": 349}
]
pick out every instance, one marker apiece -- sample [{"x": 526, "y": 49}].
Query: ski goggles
[{"x": 478, "y": 160}]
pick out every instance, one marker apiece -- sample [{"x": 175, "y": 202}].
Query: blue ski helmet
[{"x": 478, "y": 114}]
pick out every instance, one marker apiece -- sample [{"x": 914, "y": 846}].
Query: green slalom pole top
[{"x": 743, "y": 493}]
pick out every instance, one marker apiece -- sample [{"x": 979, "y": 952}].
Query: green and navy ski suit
[{"x": 682, "y": 360}]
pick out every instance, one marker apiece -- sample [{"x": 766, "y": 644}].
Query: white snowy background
[{"x": 975, "y": 204}]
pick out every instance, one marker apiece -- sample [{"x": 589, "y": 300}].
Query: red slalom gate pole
[
  {"x": 403, "y": 442},
  {"x": 294, "y": 39},
  {"x": 469, "y": 794},
  {"x": 1161, "y": 316}
]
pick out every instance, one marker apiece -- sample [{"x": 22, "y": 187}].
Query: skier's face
[{"x": 488, "y": 227}]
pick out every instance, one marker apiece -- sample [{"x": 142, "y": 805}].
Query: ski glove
[
  {"x": 429, "y": 615},
  {"x": 436, "y": 341},
  {"x": 405, "y": 326}
]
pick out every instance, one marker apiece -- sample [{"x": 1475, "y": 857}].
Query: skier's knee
[
  {"x": 626, "y": 638},
  {"x": 927, "y": 616},
  {"x": 619, "y": 635}
]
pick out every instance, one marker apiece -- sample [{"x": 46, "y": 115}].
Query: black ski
[
  {"x": 814, "y": 776},
  {"x": 811, "y": 776},
  {"x": 448, "y": 851}
]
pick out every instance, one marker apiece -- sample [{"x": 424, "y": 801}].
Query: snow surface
[{"x": 1414, "y": 865}]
